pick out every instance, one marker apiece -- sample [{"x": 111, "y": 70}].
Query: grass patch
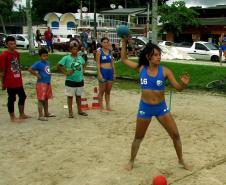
[
  {"x": 200, "y": 75},
  {"x": 27, "y": 60}
]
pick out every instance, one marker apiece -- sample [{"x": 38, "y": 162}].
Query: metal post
[
  {"x": 95, "y": 20},
  {"x": 170, "y": 99}
]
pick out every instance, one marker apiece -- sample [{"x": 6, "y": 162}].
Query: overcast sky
[{"x": 203, "y": 3}]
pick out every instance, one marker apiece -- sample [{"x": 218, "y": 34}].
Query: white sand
[{"x": 92, "y": 150}]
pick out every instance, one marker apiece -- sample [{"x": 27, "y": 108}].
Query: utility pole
[
  {"x": 148, "y": 19},
  {"x": 29, "y": 28},
  {"x": 95, "y": 20},
  {"x": 154, "y": 21},
  {"x": 81, "y": 13}
]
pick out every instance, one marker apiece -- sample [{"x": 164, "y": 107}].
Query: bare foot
[
  {"x": 184, "y": 165},
  {"x": 109, "y": 109},
  {"x": 24, "y": 116},
  {"x": 16, "y": 120},
  {"x": 129, "y": 166},
  {"x": 103, "y": 110}
]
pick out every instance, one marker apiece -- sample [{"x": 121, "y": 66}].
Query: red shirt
[
  {"x": 10, "y": 65},
  {"x": 48, "y": 35}
]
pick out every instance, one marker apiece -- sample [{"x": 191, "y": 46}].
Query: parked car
[
  {"x": 166, "y": 43},
  {"x": 63, "y": 38},
  {"x": 201, "y": 50},
  {"x": 61, "y": 46},
  {"x": 23, "y": 42},
  {"x": 140, "y": 41},
  {"x": 2, "y": 39}
]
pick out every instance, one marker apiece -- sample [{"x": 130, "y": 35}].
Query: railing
[{"x": 110, "y": 23}]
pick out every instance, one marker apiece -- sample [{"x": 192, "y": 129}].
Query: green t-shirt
[{"x": 74, "y": 63}]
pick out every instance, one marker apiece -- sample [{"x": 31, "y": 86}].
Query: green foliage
[
  {"x": 6, "y": 7},
  {"x": 177, "y": 17}
]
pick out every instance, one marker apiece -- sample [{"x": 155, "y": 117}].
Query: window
[
  {"x": 200, "y": 47},
  {"x": 70, "y": 25},
  {"x": 20, "y": 38},
  {"x": 55, "y": 25}
]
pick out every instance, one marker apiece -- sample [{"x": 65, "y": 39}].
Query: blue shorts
[
  {"x": 49, "y": 43},
  {"x": 107, "y": 74},
  {"x": 146, "y": 111}
]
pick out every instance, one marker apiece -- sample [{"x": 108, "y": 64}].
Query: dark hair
[
  {"x": 147, "y": 51},
  {"x": 74, "y": 43},
  {"x": 9, "y": 38},
  {"x": 42, "y": 51},
  {"x": 104, "y": 38}
]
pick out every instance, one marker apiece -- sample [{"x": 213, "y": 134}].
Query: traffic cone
[
  {"x": 95, "y": 103},
  {"x": 84, "y": 104}
]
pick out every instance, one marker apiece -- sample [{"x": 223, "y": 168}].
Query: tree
[
  {"x": 177, "y": 17},
  {"x": 6, "y": 7},
  {"x": 41, "y": 7},
  {"x": 29, "y": 26}
]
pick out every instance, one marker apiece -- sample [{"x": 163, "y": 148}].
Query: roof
[
  {"x": 203, "y": 3},
  {"x": 218, "y": 7},
  {"x": 58, "y": 15},
  {"x": 123, "y": 11},
  {"x": 213, "y": 21}
]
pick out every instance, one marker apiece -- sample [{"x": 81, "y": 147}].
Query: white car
[
  {"x": 202, "y": 51},
  {"x": 23, "y": 42}
]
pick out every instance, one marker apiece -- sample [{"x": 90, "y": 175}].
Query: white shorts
[{"x": 71, "y": 91}]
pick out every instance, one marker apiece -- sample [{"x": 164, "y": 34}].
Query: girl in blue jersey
[
  {"x": 106, "y": 73},
  {"x": 152, "y": 81}
]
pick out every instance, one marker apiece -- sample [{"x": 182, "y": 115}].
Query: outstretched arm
[
  {"x": 124, "y": 57},
  {"x": 184, "y": 80}
]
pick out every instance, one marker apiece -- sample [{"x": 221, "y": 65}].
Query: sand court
[{"x": 93, "y": 150}]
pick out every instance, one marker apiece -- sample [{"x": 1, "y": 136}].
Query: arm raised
[{"x": 124, "y": 57}]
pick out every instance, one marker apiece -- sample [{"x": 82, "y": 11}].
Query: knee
[
  {"x": 22, "y": 99},
  {"x": 175, "y": 137},
  {"x": 11, "y": 99},
  {"x": 108, "y": 91}
]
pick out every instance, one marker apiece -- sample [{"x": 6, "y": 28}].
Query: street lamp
[{"x": 82, "y": 9}]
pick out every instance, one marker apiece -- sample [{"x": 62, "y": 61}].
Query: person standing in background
[
  {"x": 49, "y": 39},
  {"x": 38, "y": 38}
]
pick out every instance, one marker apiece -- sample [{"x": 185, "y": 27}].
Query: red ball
[{"x": 159, "y": 180}]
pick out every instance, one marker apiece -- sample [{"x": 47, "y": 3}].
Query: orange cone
[
  {"x": 95, "y": 103},
  {"x": 84, "y": 104}
]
